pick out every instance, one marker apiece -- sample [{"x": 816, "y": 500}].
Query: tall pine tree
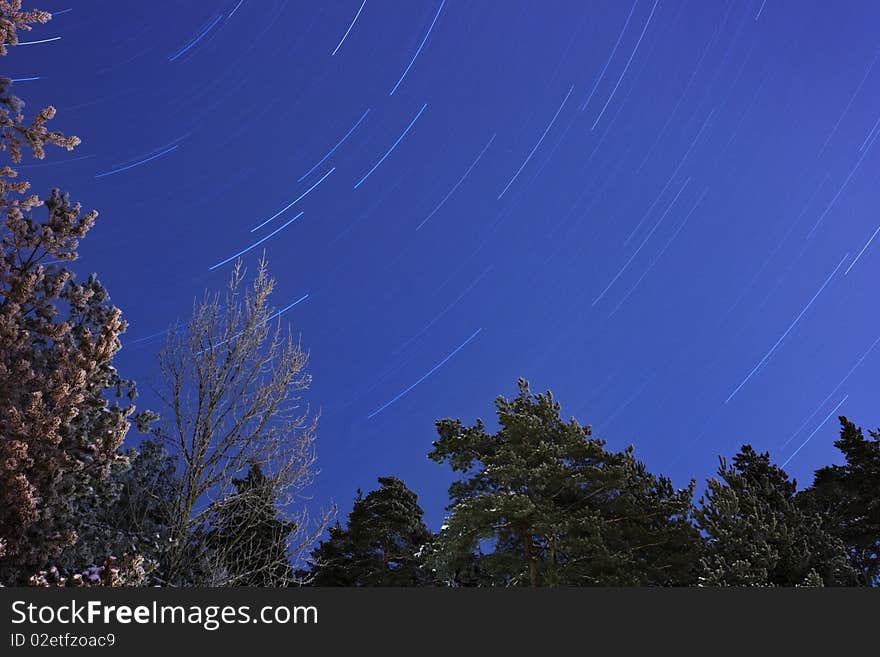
[
  {"x": 757, "y": 535},
  {"x": 551, "y": 506},
  {"x": 382, "y": 545},
  {"x": 848, "y": 499}
]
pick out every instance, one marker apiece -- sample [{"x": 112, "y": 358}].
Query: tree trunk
[{"x": 530, "y": 558}]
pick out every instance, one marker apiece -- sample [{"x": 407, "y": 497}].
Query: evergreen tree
[
  {"x": 60, "y": 432},
  {"x": 248, "y": 542},
  {"x": 382, "y": 544},
  {"x": 757, "y": 535},
  {"x": 458, "y": 568},
  {"x": 848, "y": 499},
  {"x": 127, "y": 513},
  {"x": 555, "y": 508}
]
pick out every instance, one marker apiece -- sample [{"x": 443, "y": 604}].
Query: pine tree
[
  {"x": 554, "y": 507},
  {"x": 757, "y": 535},
  {"x": 848, "y": 499},
  {"x": 60, "y": 433},
  {"x": 247, "y": 544},
  {"x": 129, "y": 512},
  {"x": 382, "y": 544}
]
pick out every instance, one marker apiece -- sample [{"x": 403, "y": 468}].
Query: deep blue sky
[{"x": 654, "y": 210}]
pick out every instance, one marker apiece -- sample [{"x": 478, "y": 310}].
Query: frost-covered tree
[
  {"x": 60, "y": 432},
  {"x": 231, "y": 384},
  {"x": 757, "y": 535},
  {"x": 129, "y": 512}
]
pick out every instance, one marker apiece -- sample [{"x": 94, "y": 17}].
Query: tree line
[
  {"x": 215, "y": 493},
  {"x": 541, "y": 502}
]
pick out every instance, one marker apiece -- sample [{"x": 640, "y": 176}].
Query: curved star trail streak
[
  {"x": 760, "y": 10},
  {"x": 867, "y": 244},
  {"x": 201, "y": 35},
  {"x": 235, "y": 9},
  {"x": 810, "y": 437},
  {"x": 660, "y": 253},
  {"x": 839, "y": 192},
  {"x": 138, "y": 163},
  {"x": 532, "y": 152},
  {"x": 421, "y": 45},
  {"x": 393, "y": 146},
  {"x": 831, "y": 394},
  {"x": 157, "y": 334},
  {"x": 42, "y": 165},
  {"x": 333, "y": 150},
  {"x": 788, "y": 330},
  {"x": 671, "y": 178},
  {"x": 610, "y": 57},
  {"x": 353, "y": 21},
  {"x": 443, "y": 312},
  {"x": 31, "y": 43},
  {"x": 681, "y": 98},
  {"x": 427, "y": 374},
  {"x": 870, "y": 133},
  {"x": 257, "y": 243},
  {"x": 293, "y": 202},
  {"x": 639, "y": 248},
  {"x": 869, "y": 140},
  {"x": 625, "y": 68},
  {"x": 274, "y": 315},
  {"x": 772, "y": 256},
  {"x": 456, "y": 185},
  {"x": 849, "y": 104}
]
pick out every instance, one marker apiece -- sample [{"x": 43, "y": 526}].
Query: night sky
[{"x": 662, "y": 211}]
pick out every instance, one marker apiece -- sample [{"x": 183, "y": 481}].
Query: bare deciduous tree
[{"x": 232, "y": 381}]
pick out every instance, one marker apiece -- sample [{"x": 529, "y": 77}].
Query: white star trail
[
  {"x": 644, "y": 241},
  {"x": 529, "y": 156},
  {"x": 660, "y": 253},
  {"x": 32, "y": 43},
  {"x": 235, "y": 9},
  {"x": 610, "y": 57},
  {"x": 788, "y": 330},
  {"x": 257, "y": 243},
  {"x": 138, "y": 163},
  {"x": 456, "y": 186},
  {"x": 344, "y": 36},
  {"x": 293, "y": 202},
  {"x": 419, "y": 50},
  {"x": 831, "y": 394},
  {"x": 390, "y": 150},
  {"x": 837, "y": 195},
  {"x": 429, "y": 373},
  {"x": 201, "y": 35},
  {"x": 333, "y": 150},
  {"x": 864, "y": 248},
  {"x": 815, "y": 431},
  {"x": 626, "y": 68}
]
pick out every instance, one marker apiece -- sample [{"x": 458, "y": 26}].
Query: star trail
[{"x": 665, "y": 211}]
